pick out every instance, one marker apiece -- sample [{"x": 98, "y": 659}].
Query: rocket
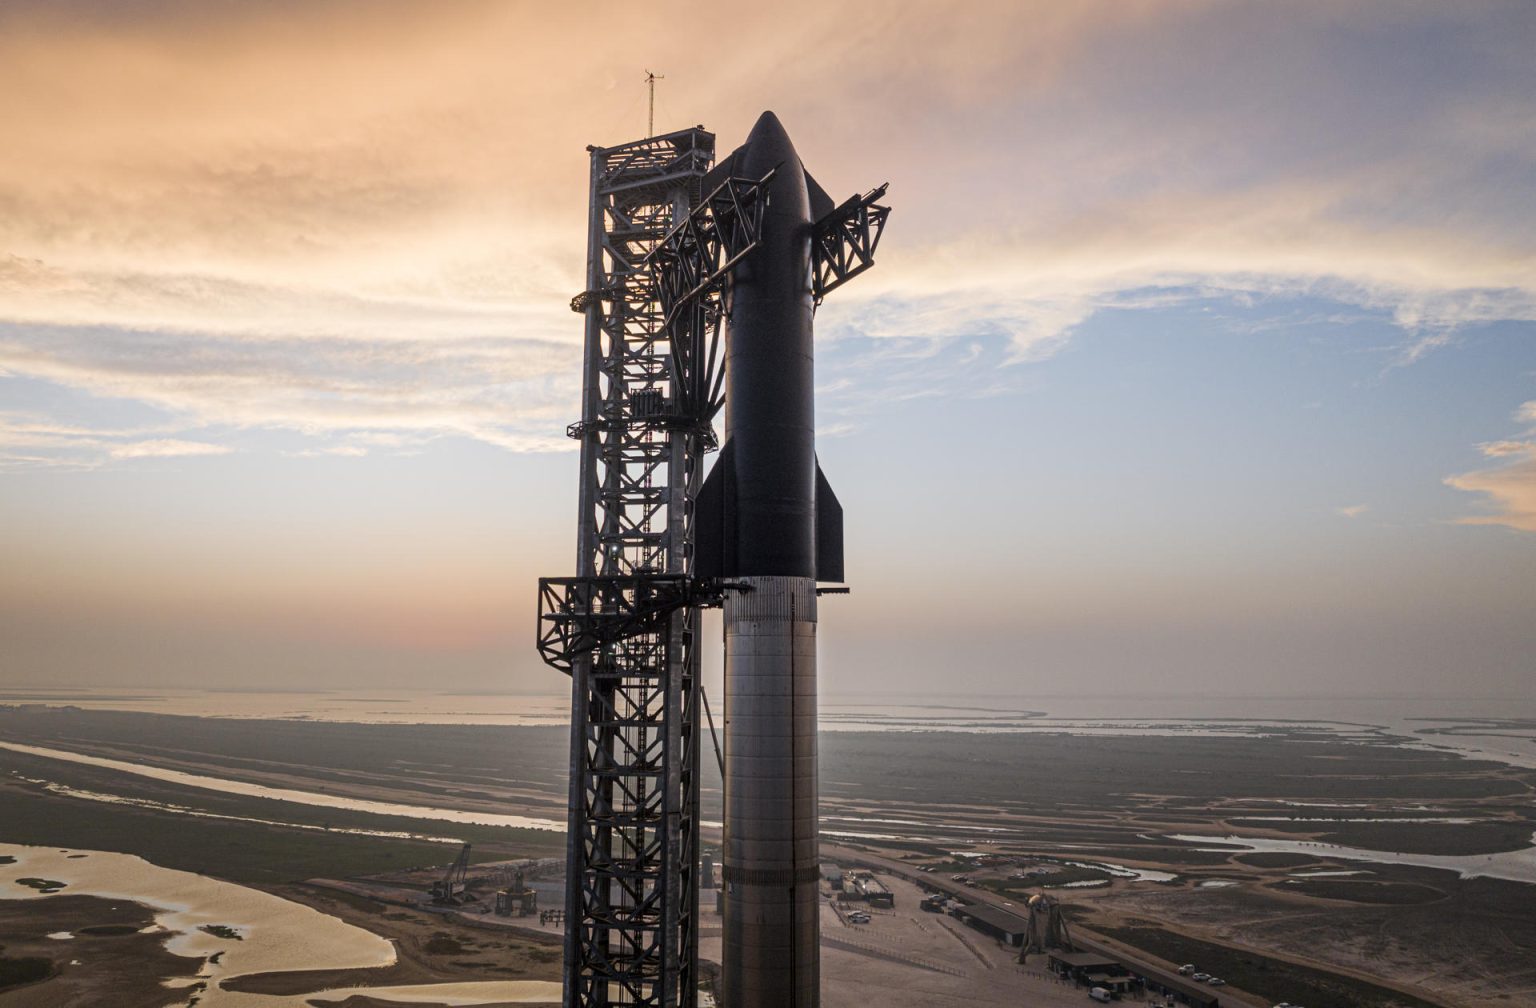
[{"x": 769, "y": 527}]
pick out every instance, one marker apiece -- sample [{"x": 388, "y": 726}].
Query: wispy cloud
[
  {"x": 31, "y": 440},
  {"x": 216, "y": 211},
  {"x": 342, "y": 450},
  {"x": 1510, "y": 489},
  {"x": 167, "y": 448},
  {"x": 514, "y": 394},
  {"x": 1351, "y": 510}
]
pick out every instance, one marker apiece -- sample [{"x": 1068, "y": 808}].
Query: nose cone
[
  {"x": 767, "y": 129},
  {"x": 768, "y": 145}
]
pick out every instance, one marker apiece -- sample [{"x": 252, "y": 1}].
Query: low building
[
  {"x": 833, "y": 875},
  {"x": 1091, "y": 968},
  {"x": 863, "y": 887},
  {"x": 1181, "y": 990},
  {"x": 1007, "y": 927},
  {"x": 872, "y": 891}
]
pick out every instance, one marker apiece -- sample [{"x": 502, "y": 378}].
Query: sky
[{"x": 1200, "y": 355}]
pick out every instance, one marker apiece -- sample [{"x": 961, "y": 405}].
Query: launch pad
[{"x": 691, "y": 266}]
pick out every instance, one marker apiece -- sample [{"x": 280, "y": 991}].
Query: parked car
[
  {"x": 1100, "y": 994},
  {"x": 1216, "y": 982},
  {"x": 1201, "y": 977},
  {"x": 1189, "y": 968}
]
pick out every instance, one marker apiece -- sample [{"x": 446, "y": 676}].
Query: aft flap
[
  {"x": 829, "y": 531},
  {"x": 821, "y": 203},
  {"x": 713, "y": 527}
]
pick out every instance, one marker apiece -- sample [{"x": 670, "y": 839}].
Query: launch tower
[
  {"x": 666, "y": 235},
  {"x": 631, "y": 898}
]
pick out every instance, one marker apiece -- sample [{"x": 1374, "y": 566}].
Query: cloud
[
  {"x": 1510, "y": 489},
  {"x": 257, "y": 227},
  {"x": 167, "y": 449},
  {"x": 30, "y": 441},
  {"x": 343, "y": 450},
  {"x": 1503, "y": 449},
  {"x": 1352, "y": 510},
  {"x": 514, "y": 394}
]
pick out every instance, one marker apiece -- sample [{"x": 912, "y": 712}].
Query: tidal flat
[
  {"x": 142, "y": 936},
  {"x": 1134, "y": 816}
]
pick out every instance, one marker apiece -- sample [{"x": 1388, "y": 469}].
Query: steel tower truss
[{"x": 624, "y": 629}]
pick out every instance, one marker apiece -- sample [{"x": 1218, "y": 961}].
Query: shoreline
[{"x": 1080, "y": 806}]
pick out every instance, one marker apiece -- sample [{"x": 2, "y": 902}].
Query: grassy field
[
  {"x": 1271, "y": 859},
  {"x": 1352, "y": 891},
  {"x": 227, "y": 850},
  {"x": 231, "y": 850},
  {"x": 1412, "y": 837},
  {"x": 968, "y": 773},
  {"x": 17, "y": 766},
  {"x": 22, "y": 970},
  {"x": 1277, "y": 979}
]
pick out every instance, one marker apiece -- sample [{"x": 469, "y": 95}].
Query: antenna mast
[{"x": 650, "y": 81}]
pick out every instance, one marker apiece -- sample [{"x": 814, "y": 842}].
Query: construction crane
[{"x": 449, "y": 890}]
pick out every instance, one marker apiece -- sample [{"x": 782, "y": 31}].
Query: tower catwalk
[{"x": 685, "y": 260}]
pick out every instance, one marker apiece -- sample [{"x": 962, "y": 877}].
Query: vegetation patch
[
  {"x": 1274, "y": 979},
  {"x": 230, "y": 850},
  {"x": 23, "y": 970},
  {"x": 442, "y": 944},
  {"x": 1056, "y": 878},
  {"x": 1359, "y": 891},
  {"x": 1413, "y": 837},
  {"x": 107, "y": 930},
  {"x": 1170, "y": 856},
  {"x": 41, "y": 884},
  {"x": 222, "y": 931},
  {"x": 1275, "y": 859}
]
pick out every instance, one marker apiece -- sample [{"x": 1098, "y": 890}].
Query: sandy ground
[
  {"x": 907, "y": 958},
  {"x": 126, "y": 970},
  {"x": 359, "y": 1001},
  {"x": 1483, "y": 957},
  {"x": 432, "y": 947}
]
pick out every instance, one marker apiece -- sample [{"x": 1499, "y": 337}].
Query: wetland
[{"x": 1250, "y": 840}]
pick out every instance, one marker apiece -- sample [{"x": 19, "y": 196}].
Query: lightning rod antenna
[{"x": 650, "y": 80}]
